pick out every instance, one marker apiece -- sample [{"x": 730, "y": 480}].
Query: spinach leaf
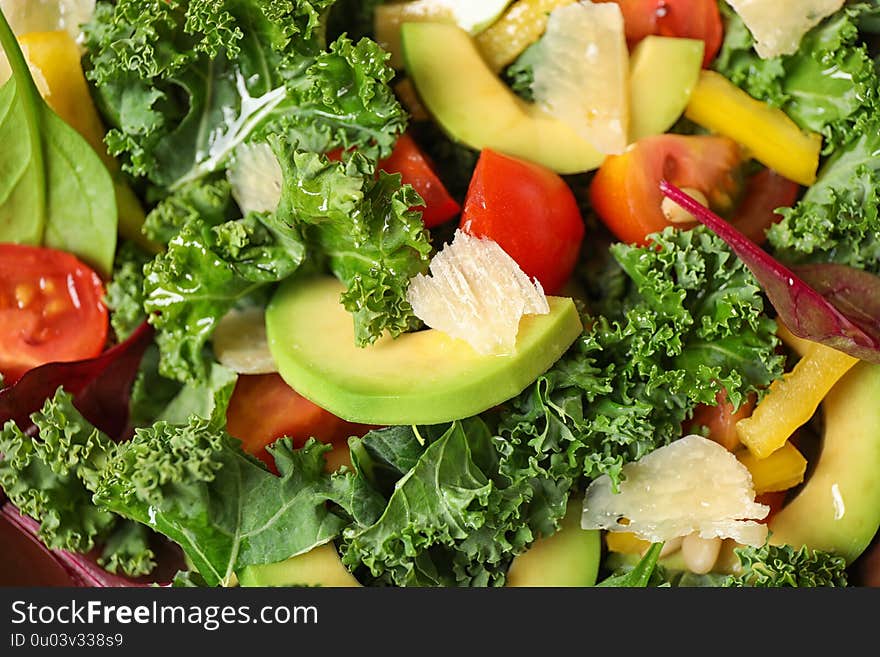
[
  {"x": 22, "y": 174},
  {"x": 640, "y": 575},
  {"x": 54, "y": 188},
  {"x": 81, "y": 215}
]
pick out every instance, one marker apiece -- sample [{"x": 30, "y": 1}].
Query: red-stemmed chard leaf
[
  {"x": 44, "y": 566},
  {"x": 100, "y": 386},
  {"x": 26, "y": 561},
  {"x": 841, "y": 312}
]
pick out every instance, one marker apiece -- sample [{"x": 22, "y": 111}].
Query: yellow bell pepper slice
[
  {"x": 55, "y": 59},
  {"x": 800, "y": 346},
  {"x": 625, "y": 543},
  {"x": 769, "y": 135},
  {"x": 521, "y": 25},
  {"x": 783, "y": 469},
  {"x": 792, "y": 400}
]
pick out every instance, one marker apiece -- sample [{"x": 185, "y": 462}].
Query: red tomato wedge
[
  {"x": 264, "y": 408},
  {"x": 51, "y": 309},
  {"x": 416, "y": 169},
  {"x": 766, "y": 191},
  {"x": 625, "y": 192},
  {"x": 689, "y": 19},
  {"x": 530, "y": 211}
]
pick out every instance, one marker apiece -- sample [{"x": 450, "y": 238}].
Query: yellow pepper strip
[
  {"x": 769, "y": 135},
  {"x": 800, "y": 346},
  {"x": 55, "y": 56},
  {"x": 792, "y": 400},
  {"x": 782, "y": 470},
  {"x": 625, "y": 543},
  {"x": 520, "y": 26}
]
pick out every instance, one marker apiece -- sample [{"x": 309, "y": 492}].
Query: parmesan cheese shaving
[
  {"x": 582, "y": 74},
  {"x": 779, "y": 25},
  {"x": 693, "y": 485},
  {"x": 477, "y": 293}
]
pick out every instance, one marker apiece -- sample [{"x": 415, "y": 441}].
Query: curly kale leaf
[
  {"x": 125, "y": 292},
  {"x": 775, "y": 566},
  {"x": 461, "y": 509},
  {"x": 195, "y": 485},
  {"x": 201, "y": 276},
  {"x": 51, "y": 478},
  {"x": 341, "y": 100},
  {"x": 363, "y": 225},
  {"x": 521, "y": 74},
  {"x": 829, "y": 85},
  {"x": 837, "y": 219},
  {"x": 209, "y": 200},
  {"x": 182, "y": 83}
]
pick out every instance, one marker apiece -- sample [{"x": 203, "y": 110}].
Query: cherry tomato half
[
  {"x": 415, "y": 169},
  {"x": 51, "y": 309},
  {"x": 530, "y": 211},
  {"x": 721, "y": 419},
  {"x": 689, "y": 19},
  {"x": 625, "y": 192},
  {"x": 766, "y": 191},
  {"x": 264, "y": 408}
]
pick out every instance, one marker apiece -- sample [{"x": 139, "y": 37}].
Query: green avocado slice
[
  {"x": 475, "y": 107},
  {"x": 568, "y": 558},
  {"x": 425, "y": 377},
  {"x": 320, "y": 566},
  {"x": 663, "y": 73},
  {"x": 838, "y": 508}
]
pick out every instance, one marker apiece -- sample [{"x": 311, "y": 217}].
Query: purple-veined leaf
[{"x": 842, "y": 311}]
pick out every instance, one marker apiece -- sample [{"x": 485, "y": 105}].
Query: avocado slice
[
  {"x": 475, "y": 107},
  {"x": 320, "y": 566},
  {"x": 838, "y": 508},
  {"x": 570, "y": 557},
  {"x": 424, "y": 377},
  {"x": 473, "y": 17},
  {"x": 663, "y": 73}
]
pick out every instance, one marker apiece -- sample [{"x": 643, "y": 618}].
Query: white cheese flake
[
  {"x": 779, "y": 25},
  {"x": 476, "y": 292},
  {"x": 240, "y": 342},
  {"x": 693, "y": 485},
  {"x": 581, "y": 76},
  {"x": 256, "y": 178}
]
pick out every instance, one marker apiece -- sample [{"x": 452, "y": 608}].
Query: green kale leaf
[
  {"x": 195, "y": 485},
  {"x": 52, "y": 477},
  {"x": 182, "y": 83},
  {"x": 783, "y": 566},
  {"x": 829, "y": 85},
  {"x": 460, "y": 511},
  {"x": 204, "y": 272},
  {"x": 209, "y": 200},
  {"x": 125, "y": 292},
  {"x": 837, "y": 219},
  {"x": 364, "y": 226}
]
